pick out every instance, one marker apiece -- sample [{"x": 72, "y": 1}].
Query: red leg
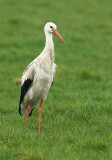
[
  {"x": 29, "y": 107},
  {"x": 40, "y": 111}
]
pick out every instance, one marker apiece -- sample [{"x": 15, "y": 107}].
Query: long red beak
[{"x": 59, "y": 36}]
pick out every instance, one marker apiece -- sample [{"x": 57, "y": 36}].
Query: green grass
[{"x": 77, "y": 115}]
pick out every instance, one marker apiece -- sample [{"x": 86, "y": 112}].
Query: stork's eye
[{"x": 51, "y": 27}]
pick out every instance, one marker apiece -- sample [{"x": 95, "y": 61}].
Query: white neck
[
  {"x": 46, "y": 58},
  {"x": 49, "y": 39},
  {"x": 49, "y": 45}
]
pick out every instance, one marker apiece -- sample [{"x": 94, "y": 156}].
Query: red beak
[{"x": 59, "y": 36}]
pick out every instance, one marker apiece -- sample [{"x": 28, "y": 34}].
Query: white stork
[{"x": 38, "y": 76}]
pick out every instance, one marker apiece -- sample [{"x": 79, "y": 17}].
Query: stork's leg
[
  {"x": 40, "y": 111},
  {"x": 29, "y": 107}
]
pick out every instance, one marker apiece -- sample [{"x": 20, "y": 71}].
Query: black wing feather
[
  {"x": 31, "y": 112},
  {"x": 24, "y": 88},
  {"x": 52, "y": 82}
]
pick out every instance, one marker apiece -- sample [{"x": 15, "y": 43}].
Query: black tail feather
[{"x": 20, "y": 109}]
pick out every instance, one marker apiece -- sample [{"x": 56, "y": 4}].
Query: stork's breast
[{"x": 43, "y": 80}]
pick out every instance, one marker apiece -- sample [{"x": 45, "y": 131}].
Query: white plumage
[{"x": 38, "y": 76}]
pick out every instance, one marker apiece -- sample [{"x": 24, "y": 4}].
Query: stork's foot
[{"x": 29, "y": 108}]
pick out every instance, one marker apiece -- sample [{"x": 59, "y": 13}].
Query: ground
[{"x": 77, "y": 114}]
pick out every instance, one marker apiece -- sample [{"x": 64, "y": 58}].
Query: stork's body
[{"x": 39, "y": 75}]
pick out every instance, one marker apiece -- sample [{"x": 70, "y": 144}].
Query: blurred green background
[{"x": 77, "y": 115}]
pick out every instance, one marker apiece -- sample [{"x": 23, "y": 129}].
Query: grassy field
[{"x": 77, "y": 115}]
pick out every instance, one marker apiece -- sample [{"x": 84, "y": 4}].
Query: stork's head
[{"x": 52, "y": 28}]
